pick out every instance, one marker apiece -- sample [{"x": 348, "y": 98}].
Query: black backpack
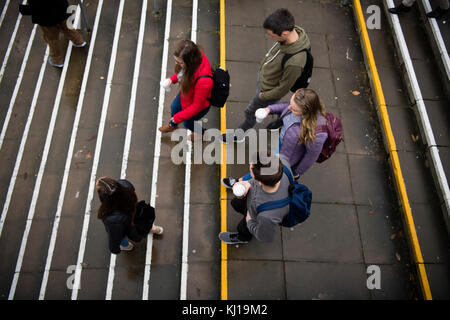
[
  {"x": 143, "y": 221},
  {"x": 305, "y": 78},
  {"x": 221, "y": 87}
]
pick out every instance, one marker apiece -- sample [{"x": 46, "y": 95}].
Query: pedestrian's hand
[
  {"x": 260, "y": 95},
  {"x": 248, "y": 217},
  {"x": 247, "y": 186},
  {"x": 166, "y": 84}
]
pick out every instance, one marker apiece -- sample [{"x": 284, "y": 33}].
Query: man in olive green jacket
[{"x": 274, "y": 81}]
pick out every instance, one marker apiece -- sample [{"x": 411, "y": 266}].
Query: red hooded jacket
[{"x": 197, "y": 98}]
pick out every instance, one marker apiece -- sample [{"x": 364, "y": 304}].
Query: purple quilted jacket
[{"x": 300, "y": 156}]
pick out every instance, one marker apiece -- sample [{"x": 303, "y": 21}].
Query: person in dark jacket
[
  {"x": 118, "y": 207},
  {"x": 51, "y": 16}
]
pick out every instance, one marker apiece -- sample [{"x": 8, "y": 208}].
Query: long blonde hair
[{"x": 311, "y": 105}]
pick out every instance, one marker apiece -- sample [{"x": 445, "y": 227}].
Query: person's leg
[
  {"x": 444, "y": 4},
  {"x": 189, "y": 123},
  {"x": 51, "y": 36},
  {"x": 404, "y": 6},
  {"x": 175, "y": 107},
  {"x": 71, "y": 34},
  {"x": 255, "y": 104},
  {"x": 440, "y": 10},
  {"x": 239, "y": 205},
  {"x": 243, "y": 232}
]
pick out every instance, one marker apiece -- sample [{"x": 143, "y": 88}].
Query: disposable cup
[
  {"x": 260, "y": 114},
  {"x": 238, "y": 190}
]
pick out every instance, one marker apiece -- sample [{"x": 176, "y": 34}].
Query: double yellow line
[{"x": 393, "y": 154}]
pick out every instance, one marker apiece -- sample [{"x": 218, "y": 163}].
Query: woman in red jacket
[{"x": 193, "y": 73}]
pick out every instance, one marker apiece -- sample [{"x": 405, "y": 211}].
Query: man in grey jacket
[{"x": 268, "y": 183}]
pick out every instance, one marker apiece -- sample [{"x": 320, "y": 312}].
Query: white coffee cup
[
  {"x": 238, "y": 189},
  {"x": 260, "y": 115},
  {"x": 166, "y": 84}
]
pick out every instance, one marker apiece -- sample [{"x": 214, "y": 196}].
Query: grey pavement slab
[
  {"x": 383, "y": 239},
  {"x": 202, "y": 281},
  {"x": 256, "y": 280},
  {"x": 317, "y": 238},
  {"x": 319, "y": 176},
  {"x": 326, "y": 281},
  {"x": 374, "y": 169}
]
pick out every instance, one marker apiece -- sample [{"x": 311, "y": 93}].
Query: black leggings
[{"x": 240, "y": 205}]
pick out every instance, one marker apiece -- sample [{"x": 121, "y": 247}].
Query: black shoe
[
  {"x": 230, "y": 238},
  {"x": 437, "y": 13},
  {"x": 228, "y": 182},
  {"x": 226, "y": 138},
  {"x": 399, "y": 9}
]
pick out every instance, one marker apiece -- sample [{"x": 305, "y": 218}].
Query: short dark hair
[
  {"x": 262, "y": 168},
  {"x": 279, "y": 21}
]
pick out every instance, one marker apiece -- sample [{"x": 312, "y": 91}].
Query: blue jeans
[{"x": 175, "y": 107}]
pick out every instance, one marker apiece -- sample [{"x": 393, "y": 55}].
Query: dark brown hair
[
  {"x": 280, "y": 20},
  {"x": 262, "y": 168},
  {"x": 191, "y": 55},
  {"x": 115, "y": 197}
]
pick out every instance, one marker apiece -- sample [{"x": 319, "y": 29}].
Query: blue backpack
[{"x": 299, "y": 202}]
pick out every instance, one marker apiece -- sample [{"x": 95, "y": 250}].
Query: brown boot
[{"x": 167, "y": 129}]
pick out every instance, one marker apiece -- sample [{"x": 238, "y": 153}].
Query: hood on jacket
[{"x": 300, "y": 44}]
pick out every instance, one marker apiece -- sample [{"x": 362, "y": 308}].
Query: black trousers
[{"x": 240, "y": 205}]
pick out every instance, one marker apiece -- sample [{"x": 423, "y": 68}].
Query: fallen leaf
[
  {"x": 92, "y": 138},
  {"x": 114, "y": 126},
  {"x": 393, "y": 236},
  {"x": 397, "y": 255},
  {"x": 371, "y": 212},
  {"x": 414, "y": 138},
  {"x": 355, "y": 93},
  {"x": 89, "y": 155}
]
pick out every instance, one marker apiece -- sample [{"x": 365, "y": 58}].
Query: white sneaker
[
  {"x": 157, "y": 229},
  {"x": 55, "y": 64},
  {"x": 79, "y": 45},
  {"x": 127, "y": 248}
]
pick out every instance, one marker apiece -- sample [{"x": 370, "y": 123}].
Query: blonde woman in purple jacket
[{"x": 303, "y": 131}]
